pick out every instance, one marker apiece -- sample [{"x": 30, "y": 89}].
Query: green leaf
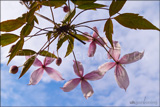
[
  {"x": 80, "y": 2},
  {"x": 26, "y": 30},
  {"x": 134, "y": 21},
  {"x": 70, "y": 46},
  {"x": 116, "y": 6},
  {"x": 8, "y": 38},
  {"x": 49, "y": 34},
  {"x": 47, "y": 54},
  {"x": 81, "y": 37},
  {"x": 34, "y": 4},
  {"x": 69, "y": 16},
  {"x": 35, "y": 19},
  {"x": 11, "y": 25},
  {"x": 27, "y": 65},
  {"x": 61, "y": 40},
  {"x": 25, "y": 52},
  {"x": 16, "y": 48},
  {"x": 30, "y": 15},
  {"x": 91, "y": 6},
  {"x": 108, "y": 29},
  {"x": 55, "y": 3}
]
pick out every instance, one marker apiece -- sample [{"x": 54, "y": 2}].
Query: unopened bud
[
  {"x": 58, "y": 61},
  {"x": 66, "y": 9},
  {"x": 11, "y": 48},
  {"x": 13, "y": 69}
]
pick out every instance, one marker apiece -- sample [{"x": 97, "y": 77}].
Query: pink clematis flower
[
  {"x": 94, "y": 41},
  {"x": 120, "y": 73},
  {"x": 85, "y": 86},
  {"x": 37, "y": 74}
]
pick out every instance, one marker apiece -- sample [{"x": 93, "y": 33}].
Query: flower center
[
  {"x": 43, "y": 66},
  {"x": 117, "y": 62},
  {"x": 82, "y": 78},
  {"x": 94, "y": 39},
  {"x": 63, "y": 28}
]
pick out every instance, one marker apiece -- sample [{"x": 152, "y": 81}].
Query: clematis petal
[
  {"x": 78, "y": 68},
  {"x": 121, "y": 77},
  {"x": 132, "y": 57},
  {"x": 53, "y": 74},
  {"x": 36, "y": 62},
  {"x": 48, "y": 60},
  {"x": 92, "y": 49},
  {"x": 89, "y": 38},
  {"x": 105, "y": 67},
  {"x": 95, "y": 35},
  {"x": 70, "y": 85},
  {"x": 116, "y": 51},
  {"x": 94, "y": 75},
  {"x": 86, "y": 89},
  {"x": 102, "y": 40},
  {"x": 36, "y": 76}
]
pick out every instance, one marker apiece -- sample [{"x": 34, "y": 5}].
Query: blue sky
[{"x": 143, "y": 75}]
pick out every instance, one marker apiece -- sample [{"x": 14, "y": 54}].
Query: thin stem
[
  {"x": 77, "y": 15},
  {"x": 83, "y": 33},
  {"x": 45, "y": 28},
  {"x": 98, "y": 41},
  {"x": 34, "y": 35},
  {"x": 57, "y": 50},
  {"x": 90, "y": 36},
  {"x": 74, "y": 58},
  {"x": 44, "y": 17},
  {"x": 47, "y": 45},
  {"x": 25, "y": 5},
  {"x": 103, "y": 8},
  {"x": 69, "y": 4},
  {"x": 90, "y": 21},
  {"x": 20, "y": 66},
  {"x": 40, "y": 28},
  {"x": 76, "y": 62},
  {"x": 51, "y": 42},
  {"x": 108, "y": 9},
  {"x": 52, "y": 13},
  {"x": 42, "y": 48},
  {"x": 57, "y": 53},
  {"x": 84, "y": 11},
  {"x": 37, "y": 34}
]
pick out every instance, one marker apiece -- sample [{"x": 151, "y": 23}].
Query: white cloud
[{"x": 12, "y": 89}]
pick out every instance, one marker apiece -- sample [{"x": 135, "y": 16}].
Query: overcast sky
[{"x": 143, "y": 75}]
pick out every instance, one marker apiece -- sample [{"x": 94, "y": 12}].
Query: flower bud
[
  {"x": 58, "y": 61},
  {"x": 66, "y": 9},
  {"x": 11, "y": 48},
  {"x": 13, "y": 69}
]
